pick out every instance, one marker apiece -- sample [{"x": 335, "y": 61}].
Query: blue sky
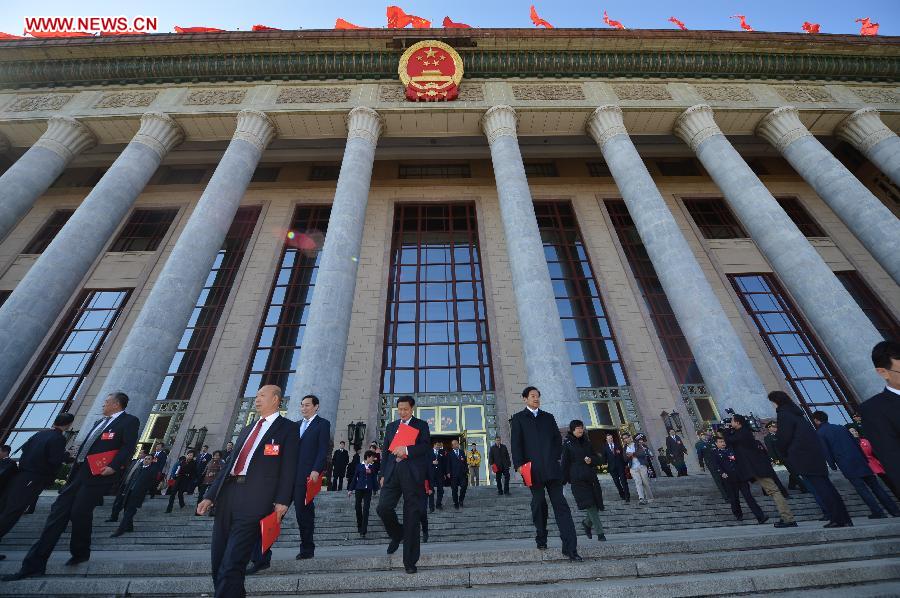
[{"x": 763, "y": 15}]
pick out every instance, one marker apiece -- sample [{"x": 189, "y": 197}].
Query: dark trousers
[
  {"x": 502, "y": 481},
  {"x": 235, "y": 533},
  {"x": 337, "y": 482},
  {"x": 681, "y": 466},
  {"x": 363, "y": 502},
  {"x": 22, "y": 491},
  {"x": 402, "y": 483},
  {"x": 621, "y": 482},
  {"x": 890, "y": 484},
  {"x": 561, "y": 513},
  {"x": 117, "y": 505},
  {"x": 306, "y": 521},
  {"x": 437, "y": 492},
  {"x": 76, "y": 503},
  {"x": 733, "y": 488},
  {"x": 720, "y": 483},
  {"x": 828, "y": 497},
  {"x": 178, "y": 489},
  {"x": 458, "y": 490},
  {"x": 127, "y": 524},
  {"x": 666, "y": 469},
  {"x": 872, "y": 493}
]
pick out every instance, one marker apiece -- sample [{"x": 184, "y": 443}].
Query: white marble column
[
  {"x": 836, "y": 318},
  {"x": 28, "y": 314},
  {"x": 726, "y": 368},
  {"x": 866, "y": 217},
  {"x": 865, "y": 130},
  {"x": 320, "y": 366},
  {"x": 547, "y": 361},
  {"x": 32, "y": 174},
  {"x": 143, "y": 362}
]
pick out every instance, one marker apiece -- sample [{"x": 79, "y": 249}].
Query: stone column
[
  {"x": 28, "y": 314},
  {"x": 320, "y": 366},
  {"x": 839, "y": 322},
  {"x": 869, "y": 219},
  {"x": 866, "y": 132},
  {"x": 143, "y": 362},
  {"x": 723, "y": 362},
  {"x": 546, "y": 358},
  {"x": 35, "y": 171}
]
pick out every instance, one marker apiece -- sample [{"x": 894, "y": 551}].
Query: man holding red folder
[
  {"x": 404, "y": 470},
  {"x": 99, "y": 462}
]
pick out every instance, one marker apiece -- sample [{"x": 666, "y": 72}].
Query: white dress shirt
[
  {"x": 534, "y": 412},
  {"x": 267, "y": 423},
  {"x": 304, "y": 426},
  {"x": 892, "y": 389}
]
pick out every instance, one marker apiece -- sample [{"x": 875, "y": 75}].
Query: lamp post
[
  {"x": 671, "y": 421},
  {"x": 189, "y": 437},
  {"x": 356, "y": 434},
  {"x": 201, "y": 436}
]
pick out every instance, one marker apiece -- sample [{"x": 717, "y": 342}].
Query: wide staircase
[{"x": 684, "y": 543}]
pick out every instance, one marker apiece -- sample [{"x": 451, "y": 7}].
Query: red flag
[
  {"x": 451, "y": 25},
  {"x": 342, "y": 24},
  {"x": 198, "y": 30},
  {"x": 810, "y": 27},
  {"x": 611, "y": 23},
  {"x": 679, "y": 23},
  {"x": 744, "y": 24},
  {"x": 10, "y": 36},
  {"x": 264, "y": 28},
  {"x": 59, "y": 34},
  {"x": 397, "y": 19},
  {"x": 867, "y": 27},
  {"x": 538, "y": 21}
]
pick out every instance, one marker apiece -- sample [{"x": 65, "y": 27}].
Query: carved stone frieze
[
  {"x": 313, "y": 95},
  {"x": 468, "y": 92},
  {"x": 641, "y": 91},
  {"x": 47, "y": 101},
  {"x": 724, "y": 93},
  {"x": 126, "y": 99},
  {"x": 803, "y": 93},
  {"x": 876, "y": 95},
  {"x": 209, "y": 97},
  {"x": 551, "y": 91}
]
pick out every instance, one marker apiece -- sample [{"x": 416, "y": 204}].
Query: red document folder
[
  {"x": 312, "y": 488},
  {"x": 525, "y": 470},
  {"x": 494, "y": 468},
  {"x": 270, "y": 529},
  {"x": 406, "y": 436},
  {"x": 98, "y": 461}
]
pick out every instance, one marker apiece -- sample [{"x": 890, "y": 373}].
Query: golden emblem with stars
[{"x": 431, "y": 71}]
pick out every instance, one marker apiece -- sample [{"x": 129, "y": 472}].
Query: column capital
[
  {"x": 605, "y": 123},
  {"x": 782, "y": 127},
  {"x": 254, "y": 127},
  {"x": 159, "y": 132},
  {"x": 366, "y": 123},
  {"x": 499, "y": 121},
  {"x": 66, "y": 137},
  {"x": 695, "y": 125},
  {"x": 863, "y": 129}
]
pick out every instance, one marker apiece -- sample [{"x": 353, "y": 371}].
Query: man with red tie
[{"x": 257, "y": 479}]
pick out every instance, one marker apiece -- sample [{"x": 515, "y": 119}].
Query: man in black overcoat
[{"x": 881, "y": 413}]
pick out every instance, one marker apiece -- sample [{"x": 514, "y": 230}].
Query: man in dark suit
[
  {"x": 881, "y": 413},
  {"x": 438, "y": 473},
  {"x": 842, "y": 451},
  {"x": 315, "y": 436},
  {"x": 404, "y": 471},
  {"x": 339, "y": 462},
  {"x": 203, "y": 459},
  {"x": 457, "y": 473},
  {"x": 498, "y": 455},
  {"x": 536, "y": 439},
  {"x": 119, "y": 502},
  {"x": 676, "y": 452},
  {"x": 257, "y": 479},
  {"x": 615, "y": 465},
  {"x": 115, "y": 431},
  {"x": 160, "y": 456},
  {"x": 42, "y": 456},
  {"x": 8, "y": 467},
  {"x": 134, "y": 489}
]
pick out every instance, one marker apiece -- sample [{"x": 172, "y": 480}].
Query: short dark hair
[
  {"x": 740, "y": 419},
  {"x": 575, "y": 423},
  {"x": 121, "y": 398},
  {"x": 342, "y": 442},
  {"x": 188, "y": 452},
  {"x": 407, "y": 399},
  {"x": 229, "y": 442},
  {"x": 217, "y": 453},
  {"x": 63, "y": 419},
  {"x": 780, "y": 398},
  {"x": 159, "y": 443},
  {"x": 528, "y": 389},
  {"x": 884, "y": 352},
  {"x": 368, "y": 454},
  {"x": 313, "y": 398},
  {"x": 820, "y": 416},
  {"x": 206, "y": 446}
]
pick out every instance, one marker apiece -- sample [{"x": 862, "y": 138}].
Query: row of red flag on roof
[{"x": 397, "y": 18}]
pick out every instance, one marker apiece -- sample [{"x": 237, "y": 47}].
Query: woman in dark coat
[
  {"x": 799, "y": 444},
  {"x": 579, "y": 465}
]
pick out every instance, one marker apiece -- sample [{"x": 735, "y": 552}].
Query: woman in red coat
[{"x": 874, "y": 464}]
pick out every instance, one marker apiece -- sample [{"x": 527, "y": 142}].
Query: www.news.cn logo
[{"x": 120, "y": 24}]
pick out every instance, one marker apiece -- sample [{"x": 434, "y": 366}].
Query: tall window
[
  {"x": 589, "y": 338},
  {"x": 436, "y": 338},
  {"x": 805, "y": 366},
  {"x": 714, "y": 219},
  {"x": 4, "y": 295},
  {"x": 54, "y": 381},
  {"x": 800, "y": 217},
  {"x": 881, "y": 318},
  {"x": 188, "y": 360},
  {"x": 144, "y": 230},
  {"x": 678, "y": 353},
  {"x": 49, "y": 231},
  {"x": 274, "y": 359}
]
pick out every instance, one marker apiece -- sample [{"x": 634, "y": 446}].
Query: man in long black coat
[
  {"x": 339, "y": 462},
  {"x": 135, "y": 489},
  {"x": 676, "y": 451},
  {"x": 498, "y": 456},
  {"x": 458, "y": 473},
  {"x": 536, "y": 439},
  {"x": 881, "y": 413},
  {"x": 614, "y": 458}
]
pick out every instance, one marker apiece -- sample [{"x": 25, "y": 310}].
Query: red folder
[
  {"x": 269, "y": 529},
  {"x": 98, "y": 461},
  {"x": 494, "y": 468},
  {"x": 406, "y": 436},
  {"x": 525, "y": 470},
  {"x": 312, "y": 488}
]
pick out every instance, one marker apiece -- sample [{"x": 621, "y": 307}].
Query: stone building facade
[{"x": 639, "y": 223}]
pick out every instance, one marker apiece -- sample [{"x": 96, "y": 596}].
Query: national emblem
[{"x": 431, "y": 71}]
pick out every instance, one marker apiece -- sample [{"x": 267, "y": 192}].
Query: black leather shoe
[
  {"x": 575, "y": 557},
  {"x": 823, "y": 518},
  {"x": 440, "y": 508},
  {"x": 111, "y": 520},
  {"x": 411, "y": 569},
  {"x": 2, "y": 557},
  {"x": 393, "y": 546},
  {"x": 76, "y": 560},
  {"x": 878, "y": 516},
  {"x": 255, "y": 568},
  {"x": 781, "y": 523},
  {"x": 425, "y": 538},
  {"x": 117, "y": 533},
  {"x": 542, "y": 547},
  {"x": 20, "y": 574},
  {"x": 764, "y": 519},
  {"x": 587, "y": 531},
  {"x": 362, "y": 535},
  {"x": 602, "y": 537},
  {"x": 303, "y": 556}
]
